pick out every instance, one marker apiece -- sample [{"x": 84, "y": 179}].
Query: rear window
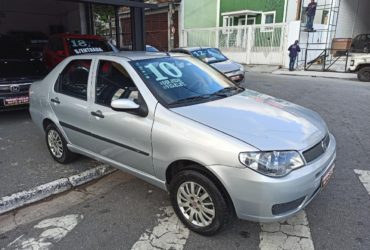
[
  {"x": 83, "y": 46},
  {"x": 210, "y": 55}
]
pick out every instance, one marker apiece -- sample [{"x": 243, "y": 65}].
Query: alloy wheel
[
  {"x": 55, "y": 143},
  {"x": 195, "y": 204}
]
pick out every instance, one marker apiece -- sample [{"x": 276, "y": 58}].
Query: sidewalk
[
  {"x": 261, "y": 68},
  {"x": 347, "y": 76}
]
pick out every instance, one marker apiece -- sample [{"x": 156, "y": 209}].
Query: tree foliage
[{"x": 105, "y": 12}]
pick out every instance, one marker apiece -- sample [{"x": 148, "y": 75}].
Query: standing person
[
  {"x": 310, "y": 13},
  {"x": 294, "y": 49}
]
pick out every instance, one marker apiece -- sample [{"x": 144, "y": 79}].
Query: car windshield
[
  {"x": 30, "y": 38},
  {"x": 78, "y": 46},
  {"x": 210, "y": 55},
  {"x": 181, "y": 81},
  {"x": 10, "y": 49}
]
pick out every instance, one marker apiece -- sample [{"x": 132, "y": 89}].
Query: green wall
[
  {"x": 256, "y": 5},
  {"x": 200, "y": 13}
]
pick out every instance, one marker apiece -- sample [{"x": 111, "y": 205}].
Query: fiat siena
[{"x": 172, "y": 120}]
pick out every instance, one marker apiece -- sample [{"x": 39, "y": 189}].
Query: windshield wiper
[
  {"x": 226, "y": 90},
  {"x": 198, "y": 98}
]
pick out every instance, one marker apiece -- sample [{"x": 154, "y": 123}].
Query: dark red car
[{"x": 61, "y": 46}]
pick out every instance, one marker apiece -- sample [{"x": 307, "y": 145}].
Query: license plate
[
  {"x": 16, "y": 101},
  {"x": 327, "y": 175}
]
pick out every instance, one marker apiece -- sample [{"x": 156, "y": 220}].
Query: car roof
[
  {"x": 132, "y": 55},
  {"x": 191, "y": 48}
]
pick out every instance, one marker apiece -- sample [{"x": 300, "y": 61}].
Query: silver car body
[{"x": 211, "y": 134}]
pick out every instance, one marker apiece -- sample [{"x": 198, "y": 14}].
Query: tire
[
  {"x": 57, "y": 145},
  {"x": 203, "y": 221},
  {"x": 364, "y": 74}
]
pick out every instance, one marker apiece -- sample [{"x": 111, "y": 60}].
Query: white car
[{"x": 360, "y": 64}]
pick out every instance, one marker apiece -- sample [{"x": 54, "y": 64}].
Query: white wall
[
  {"x": 292, "y": 35},
  {"x": 291, "y": 10},
  {"x": 38, "y": 15},
  {"x": 353, "y": 18}
]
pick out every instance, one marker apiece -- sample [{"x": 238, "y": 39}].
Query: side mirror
[{"x": 124, "y": 105}]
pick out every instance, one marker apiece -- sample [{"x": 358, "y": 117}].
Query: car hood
[
  {"x": 355, "y": 56},
  {"x": 226, "y": 66},
  {"x": 11, "y": 69},
  {"x": 260, "y": 120}
]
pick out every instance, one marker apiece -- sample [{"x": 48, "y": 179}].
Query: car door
[
  {"x": 120, "y": 136},
  {"x": 69, "y": 101}
]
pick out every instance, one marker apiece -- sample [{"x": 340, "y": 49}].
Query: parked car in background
[
  {"x": 177, "y": 123},
  {"x": 34, "y": 42},
  {"x": 61, "y": 46},
  {"x": 216, "y": 59},
  {"x": 360, "y": 64},
  {"x": 148, "y": 48},
  {"x": 17, "y": 71},
  {"x": 361, "y": 44}
]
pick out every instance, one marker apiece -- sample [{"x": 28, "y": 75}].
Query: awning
[{"x": 242, "y": 13}]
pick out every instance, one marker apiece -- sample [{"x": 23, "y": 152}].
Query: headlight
[{"x": 274, "y": 163}]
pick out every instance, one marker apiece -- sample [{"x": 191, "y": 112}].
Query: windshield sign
[
  {"x": 83, "y": 46},
  {"x": 210, "y": 55},
  {"x": 182, "y": 80}
]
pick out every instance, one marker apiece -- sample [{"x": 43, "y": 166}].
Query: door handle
[
  {"x": 97, "y": 113},
  {"x": 55, "y": 100}
]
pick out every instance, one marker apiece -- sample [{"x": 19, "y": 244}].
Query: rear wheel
[
  {"x": 364, "y": 74},
  {"x": 57, "y": 145},
  {"x": 199, "y": 203}
]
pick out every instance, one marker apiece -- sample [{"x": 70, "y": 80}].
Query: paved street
[
  {"x": 25, "y": 161},
  {"x": 122, "y": 212}
]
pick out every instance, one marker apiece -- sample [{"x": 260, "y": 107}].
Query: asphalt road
[
  {"x": 25, "y": 161},
  {"x": 131, "y": 212}
]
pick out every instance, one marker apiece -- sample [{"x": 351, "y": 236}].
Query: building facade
[{"x": 229, "y": 13}]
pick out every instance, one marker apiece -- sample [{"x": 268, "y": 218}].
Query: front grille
[
  {"x": 287, "y": 207},
  {"x": 7, "y": 88},
  {"x": 317, "y": 150}
]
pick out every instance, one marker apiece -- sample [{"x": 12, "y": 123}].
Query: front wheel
[
  {"x": 57, "y": 145},
  {"x": 199, "y": 203},
  {"x": 364, "y": 74}
]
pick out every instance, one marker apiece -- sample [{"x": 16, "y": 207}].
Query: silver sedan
[{"x": 179, "y": 124}]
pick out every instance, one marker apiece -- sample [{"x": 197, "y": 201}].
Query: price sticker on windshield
[{"x": 166, "y": 74}]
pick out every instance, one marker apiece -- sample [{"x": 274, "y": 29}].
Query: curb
[
  {"x": 20, "y": 199},
  {"x": 345, "y": 76}
]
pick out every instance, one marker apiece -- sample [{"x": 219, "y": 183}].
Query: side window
[
  {"x": 74, "y": 78},
  {"x": 112, "y": 83}
]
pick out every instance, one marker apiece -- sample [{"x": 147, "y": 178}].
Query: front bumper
[
  {"x": 257, "y": 197},
  {"x": 14, "y": 101},
  {"x": 14, "y": 95}
]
